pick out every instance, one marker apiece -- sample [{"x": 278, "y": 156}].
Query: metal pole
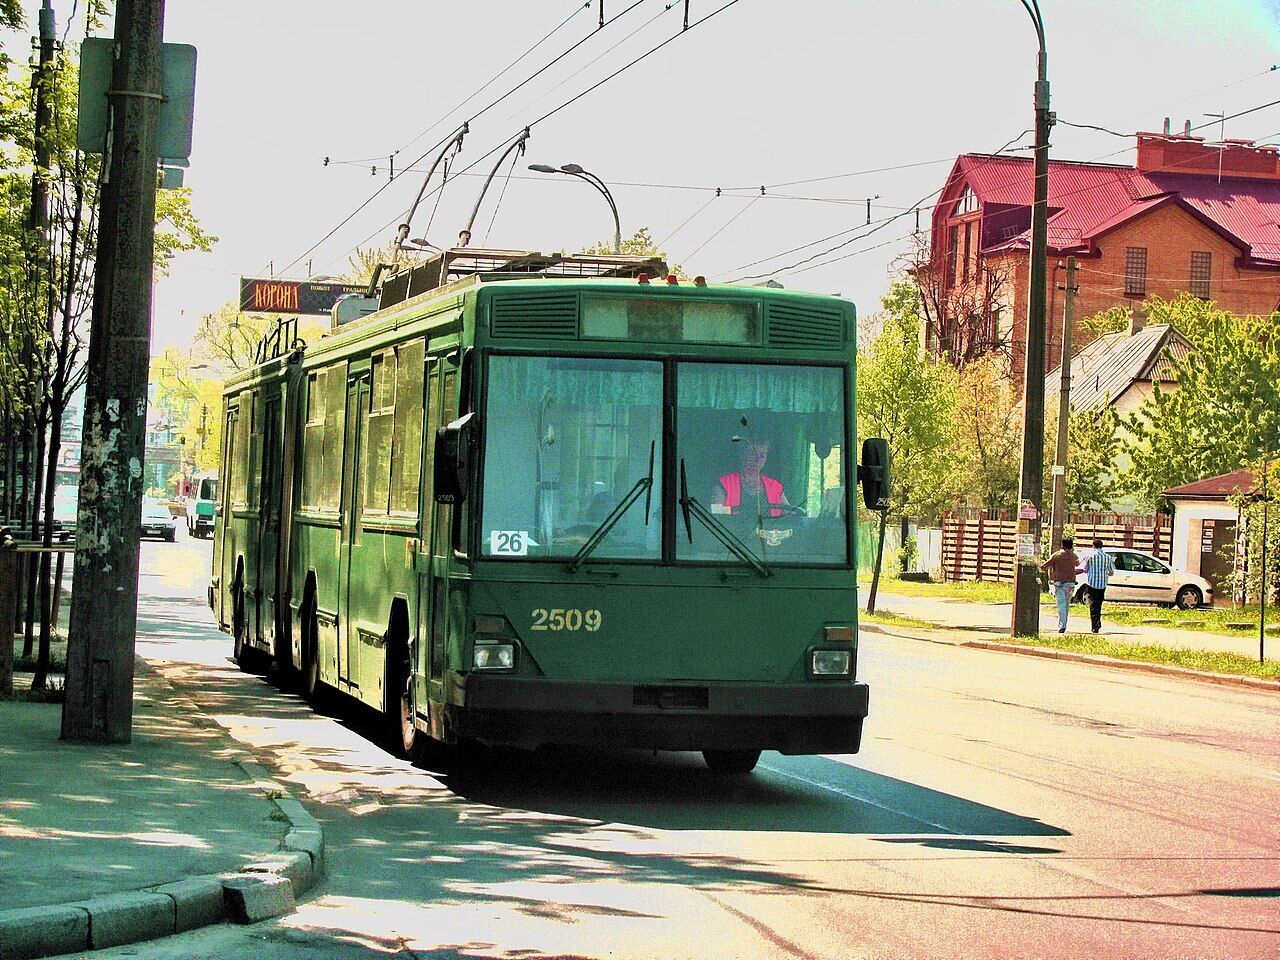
[
  {"x": 464, "y": 235},
  {"x": 600, "y": 185},
  {"x": 1058, "y": 516},
  {"x": 1026, "y": 587},
  {"x": 104, "y": 603},
  {"x": 1262, "y": 585}
]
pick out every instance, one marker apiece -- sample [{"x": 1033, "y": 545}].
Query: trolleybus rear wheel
[{"x": 731, "y": 761}]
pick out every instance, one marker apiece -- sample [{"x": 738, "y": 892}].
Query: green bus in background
[{"x": 540, "y": 499}]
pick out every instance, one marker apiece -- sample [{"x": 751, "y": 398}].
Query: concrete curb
[{"x": 267, "y": 888}]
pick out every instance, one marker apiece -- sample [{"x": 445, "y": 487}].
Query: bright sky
[{"x": 764, "y": 93}]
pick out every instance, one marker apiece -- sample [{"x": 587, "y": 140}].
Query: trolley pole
[
  {"x": 1026, "y": 586},
  {"x": 104, "y": 604},
  {"x": 1058, "y": 517}
]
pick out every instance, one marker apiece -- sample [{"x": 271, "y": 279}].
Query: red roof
[
  {"x": 1234, "y": 484},
  {"x": 1089, "y": 199}
]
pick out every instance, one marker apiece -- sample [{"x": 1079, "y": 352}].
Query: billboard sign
[{"x": 292, "y": 296}]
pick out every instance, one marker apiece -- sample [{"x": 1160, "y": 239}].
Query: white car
[{"x": 1142, "y": 578}]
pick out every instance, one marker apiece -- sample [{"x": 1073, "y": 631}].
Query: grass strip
[
  {"x": 1211, "y": 661},
  {"x": 887, "y": 619}
]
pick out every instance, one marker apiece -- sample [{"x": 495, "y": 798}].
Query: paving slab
[{"x": 78, "y": 822}]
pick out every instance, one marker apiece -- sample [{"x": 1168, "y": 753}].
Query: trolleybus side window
[
  {"x": 254, "y": 436},
  {"x": 240, "y": 453},
  {"x": 568, "y": 441},
  {"x": 313, "y": 441},
  {"x": 406, "y": 446},
  {"x": 763, "y": 451},
  {"x": 330, "y": 466},
  {"x": 448, "y": 407},
  {"x": 377, "y": 454}
]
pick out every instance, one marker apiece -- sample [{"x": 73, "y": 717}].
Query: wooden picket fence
[{"x": 982, "y": 545}]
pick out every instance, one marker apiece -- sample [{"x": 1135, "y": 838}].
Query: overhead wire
[
  {"x": 751, "y": 203},
  {"x": 489, "y": 106},
  {"x": 550, "y": 113},
  {"x": 488, "y": 83}
]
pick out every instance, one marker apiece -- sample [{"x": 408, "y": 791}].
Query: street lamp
[
  {"x": 573, "y": 170},
  {"x": 1026, "y": 585}
]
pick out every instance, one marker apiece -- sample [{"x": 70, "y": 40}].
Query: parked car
[
  {"x": 158, "y": 520},
  {"x": 1142, "y": 578},
  {"x": 201, "y": 505}
]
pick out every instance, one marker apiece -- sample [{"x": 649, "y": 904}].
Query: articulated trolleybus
[{"x": 531, "y": 499}]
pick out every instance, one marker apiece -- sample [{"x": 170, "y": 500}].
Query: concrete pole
[
  {"x": 1026, "y": 585},
  {"x": 1058, "y": 516},
  {"x": 100, "y": 645}
]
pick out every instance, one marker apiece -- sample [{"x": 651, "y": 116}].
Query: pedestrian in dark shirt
[{"x": 1062, "y": 568}]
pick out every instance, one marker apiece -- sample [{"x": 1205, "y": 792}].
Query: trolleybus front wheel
[
  {"x": 731, "y": 761},
  {"x": 400, "y": 722}
]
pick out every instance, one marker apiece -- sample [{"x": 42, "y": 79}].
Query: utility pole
[
  {"x": 38, "y": 217},
  {"x": 1058, "y": 516},
  {"x": 104, "y": 604},
  {"x": 1026, "y": 585}
]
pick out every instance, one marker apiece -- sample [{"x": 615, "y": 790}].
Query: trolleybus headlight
[
  {"x": 494, "y": 656},
  {"x": 830, "y": 663}
]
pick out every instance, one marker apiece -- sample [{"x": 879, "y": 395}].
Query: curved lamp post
[
  {"x": 1026, "y": 588},
  {"x": 573, "y": 170}
]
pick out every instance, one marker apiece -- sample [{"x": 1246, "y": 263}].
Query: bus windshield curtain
[
  {"x": 732, "y": 386},
  {"x": 572, "y": 382}
]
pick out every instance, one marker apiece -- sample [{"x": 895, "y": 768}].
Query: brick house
[{"x": 1189, "y": 216}]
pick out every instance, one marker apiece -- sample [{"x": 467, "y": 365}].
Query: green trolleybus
[{"x": 533, "y": 499}]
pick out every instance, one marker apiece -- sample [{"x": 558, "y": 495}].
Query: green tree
[
  {"x": 908, "y": 398},
  {"x": 986, "y": 448},
  {"x": 1112, "y": 320},
  {"x": 639, "y": 244},
  {"x": 1225, "y": 411},
  {"x": 1093, "y": 443}
]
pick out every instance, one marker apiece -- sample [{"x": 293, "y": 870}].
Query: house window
[
  {"x": 968, "y": 251},
  {"x": 1201, "y": 272},
  {"x": 954, "y": 256},
  {"x": 1135, "y": 272},
  {"x": 968, "y": 203}
]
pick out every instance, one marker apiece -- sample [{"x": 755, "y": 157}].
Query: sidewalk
[
  {"x": 994, "y": 618},
  {"x": 84, "y": 829}
]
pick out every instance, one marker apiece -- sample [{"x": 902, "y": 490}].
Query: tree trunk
[
  {"x": 47, "y": 605},
  {"x": 905, "y": 531},
  {"x": 875, "y": 573},
  {"x": 36, "y": 474}
]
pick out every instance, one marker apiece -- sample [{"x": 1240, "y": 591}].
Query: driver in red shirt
[{"x": 751, "y": 484}]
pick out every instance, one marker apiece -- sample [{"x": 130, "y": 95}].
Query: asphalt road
[{"x": 1002, "y": 806}]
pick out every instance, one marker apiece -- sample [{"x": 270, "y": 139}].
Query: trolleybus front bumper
[{"x": 795, "y": 718}]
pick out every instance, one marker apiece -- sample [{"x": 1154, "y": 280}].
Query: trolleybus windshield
[{"x": 761, "y": 446}]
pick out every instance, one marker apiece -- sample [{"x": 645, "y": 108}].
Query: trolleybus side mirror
[
  {"x": 873, "y": 473},
  {"x": 453, "y": 461}
]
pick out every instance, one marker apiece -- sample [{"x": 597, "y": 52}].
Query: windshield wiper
[
  {"x": 643, "y": 485},
  {"x": 727, "y": 537}
]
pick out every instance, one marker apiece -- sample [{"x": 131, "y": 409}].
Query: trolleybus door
[
  {"x": 352, "y": 506},
  {"x": 269, "y": 518},
  {"x": 434, "y": 549},
  {"x": 225, "y": 527}
]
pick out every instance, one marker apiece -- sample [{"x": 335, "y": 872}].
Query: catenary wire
[{"x": 550, "y": 113}]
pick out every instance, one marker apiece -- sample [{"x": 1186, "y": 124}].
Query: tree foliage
[
  {"x": 908, "y": 398},
  {"x": 1225, "y": 411},
  {"x": 1093, "y": 443},
  {"x": 986, "y": 449}
]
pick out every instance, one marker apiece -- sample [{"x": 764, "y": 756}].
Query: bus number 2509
[{"x": 558, "y": 619}]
